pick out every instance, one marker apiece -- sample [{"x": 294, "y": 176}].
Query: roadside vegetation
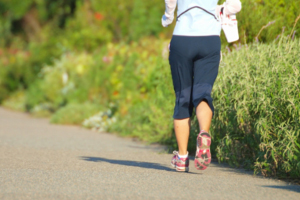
[{"x": 106, "y": 68}]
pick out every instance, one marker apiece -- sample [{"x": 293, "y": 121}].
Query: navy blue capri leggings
[{"x": 194, "y": 62}]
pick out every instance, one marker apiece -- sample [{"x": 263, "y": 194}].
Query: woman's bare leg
[
  {"x": 204, "y": 116},
  {"x": 182, "y": 132},
  {"x": 182, "y": 126}
]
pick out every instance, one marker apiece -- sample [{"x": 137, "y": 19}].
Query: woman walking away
[{"x": 194, "y": 60}]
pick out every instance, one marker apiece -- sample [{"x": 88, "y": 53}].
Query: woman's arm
[{"x": 168, "y": 16}]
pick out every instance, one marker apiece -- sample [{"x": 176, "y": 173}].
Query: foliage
[
  {"x": 100, "y": 121},
  {"x": 13, "y": 74},
  {"x": 257, "y": 108},
  {"x": 74, "y": 113},
  {"x": 16, "y": 101},
  {"x": 130, "y": 80},
  {"x": 19, "y": 68},
  {"x": 28, "y": 16},
  {"x": 77, "y": 35},
  {"x": 98, "y": 22},
  {"x": 132, "y": 19},
  {"x": 57, "y": 84}
]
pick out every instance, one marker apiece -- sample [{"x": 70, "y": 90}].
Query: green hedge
[
  {"x": 97, "y": 22},
  {"x": 257, "y": 102},
  {"x": 257, "y": 13}
]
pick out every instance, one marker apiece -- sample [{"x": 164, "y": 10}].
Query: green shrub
[
  {"x": 132, "y": 19},
  {"x": 16, "y": 101},
  {"x": 127, "y": 76},
  {"x": 58, "y": 84},
  {"x": 74, "y": 113},
  {"x": 86, "y": 31},
  {"x": 101, "y": 121},
  {"x": 15, "y": 73},
  {"x": 257, "y": 100},
  {"x": 20, "y": 68}
]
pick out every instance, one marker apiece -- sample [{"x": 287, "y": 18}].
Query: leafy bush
[
  {"x": 78, "y": 35},
  {"x": 100, "y": 121},
  {"x": 57, "y": 84},
  {"x": 19, "y": 68},
  {"x": 132, "y": 19},
  {"x": 257, "y": 103},
  {"x": 14, "y": 72},
  {"x": 74, "y": 113},
  {"x": 27, "y": 18},
  {"x": 16, "y": 101},
  {"x": 127, "y": 76}
]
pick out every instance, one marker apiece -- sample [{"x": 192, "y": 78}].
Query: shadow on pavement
[
  {"x": 293, "y": 188},
  {"x": 147, "y": 165}
]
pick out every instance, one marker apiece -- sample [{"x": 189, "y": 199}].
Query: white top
[{"x": 197, "y": 22}]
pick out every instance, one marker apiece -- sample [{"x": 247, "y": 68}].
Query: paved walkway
[{"x": 43, "y": 161}]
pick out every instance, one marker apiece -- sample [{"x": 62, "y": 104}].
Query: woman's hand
[{"x": 166, "y": 21}]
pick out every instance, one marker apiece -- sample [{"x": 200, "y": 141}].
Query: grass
[
  {"x": 257, "y": 102},
  {"x": 74, "y": 113}
]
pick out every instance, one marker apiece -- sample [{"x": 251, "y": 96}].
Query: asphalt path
[{"x": 39, "y": 160}]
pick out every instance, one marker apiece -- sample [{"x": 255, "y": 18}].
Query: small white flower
[{"x": 100, "y": 122}]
